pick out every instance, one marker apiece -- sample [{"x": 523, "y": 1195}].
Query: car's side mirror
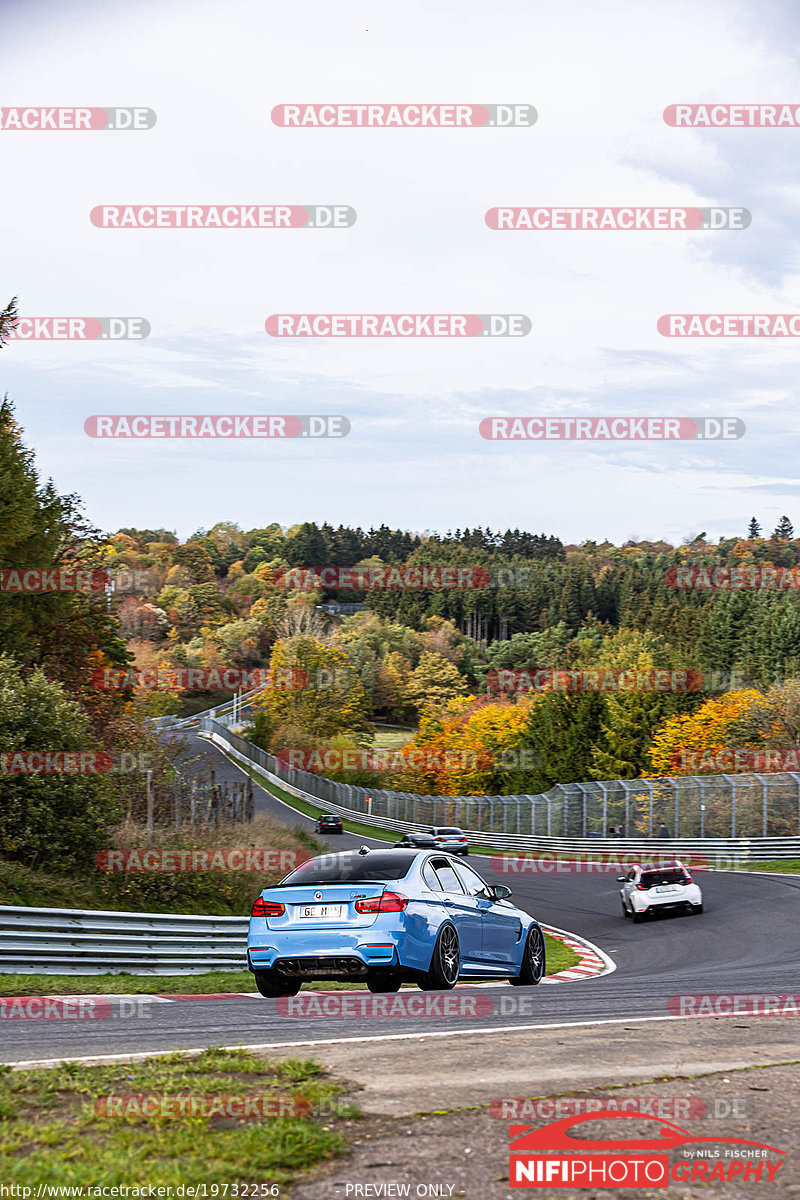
[
  {"x": 501, "y": 892},
  {"x": 622, "y": 878}
]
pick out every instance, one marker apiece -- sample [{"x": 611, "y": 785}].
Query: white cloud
[{"x": 599, "y": 76}]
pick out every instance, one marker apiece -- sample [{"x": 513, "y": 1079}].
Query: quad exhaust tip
[{"x": 316, "y": 966}]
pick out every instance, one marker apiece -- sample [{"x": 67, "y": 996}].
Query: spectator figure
[
  {"x": 612, "y": 831},
  {"x": 620, "y": 830},
  {"x": 663, "y": 832}
]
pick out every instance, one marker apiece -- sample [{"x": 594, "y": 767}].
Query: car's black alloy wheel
[
  {"x": 442, "y": 974},
  {"x": 533, "y": 960}
]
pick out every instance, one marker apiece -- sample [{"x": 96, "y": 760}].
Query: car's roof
[
  {"x": 672, "y": 865},
  {"x": 410, "y": 851}
]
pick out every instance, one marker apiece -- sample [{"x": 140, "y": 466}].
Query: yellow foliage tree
[{"x": 706, "y": 731}]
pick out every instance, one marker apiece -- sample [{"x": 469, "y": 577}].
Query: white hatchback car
[{"x": 666, "y": 885}]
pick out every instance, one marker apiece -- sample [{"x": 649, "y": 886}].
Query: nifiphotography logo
[{"x": 551, "y": 1156}]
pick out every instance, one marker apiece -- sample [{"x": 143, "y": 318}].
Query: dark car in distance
[
  {"x": 329, "y": 823},
  {"x": 418, "y": 841}
]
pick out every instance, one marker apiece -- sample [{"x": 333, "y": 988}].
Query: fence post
[
  {"x": 192, "y": 802},
  {"x": 149, "y": 828},
  {"x": 677, "y": 806},
  {"x": 732, "y": 781},
  {"x": 178, "y": 792}
]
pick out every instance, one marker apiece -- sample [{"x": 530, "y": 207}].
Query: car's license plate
[
  {"x": 668, "y": 888},
  {"x": 325, "y": 912}
]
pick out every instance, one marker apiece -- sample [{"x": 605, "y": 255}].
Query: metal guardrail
[
  {"x": 52, "y": 941},
  {"x": 70, "y": 941},
  {"x": 405, "y": 812},
  {"x": 230, "y": 712}
]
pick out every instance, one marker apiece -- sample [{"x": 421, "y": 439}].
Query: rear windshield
[
  {"x": 351, "y": 868},
  {"x": 654, "y": 878},
  {"x": 448, "y": 831}
]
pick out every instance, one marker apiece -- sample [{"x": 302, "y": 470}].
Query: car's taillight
[
  {"x": 641, "y": 887},
  {"x": 686, "y": 879},
  {"x": 388, "y": 902},
  {"x": 267, "y": 908}
]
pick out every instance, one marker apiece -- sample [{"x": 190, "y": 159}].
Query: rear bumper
[
  {"x": 312, "y": 956},
  {"x": 656, "y": 904}
]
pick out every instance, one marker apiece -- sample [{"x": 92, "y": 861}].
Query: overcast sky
[{"x": 599, "y": 77}]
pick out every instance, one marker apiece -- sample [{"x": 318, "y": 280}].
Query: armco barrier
[
  {"x": 53, "y": 941},
  {"x": 636, "y": 803},
  {"x": 69, "y": 941}
]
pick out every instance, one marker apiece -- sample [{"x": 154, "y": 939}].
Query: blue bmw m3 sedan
[{"x": 390, "y": 917}]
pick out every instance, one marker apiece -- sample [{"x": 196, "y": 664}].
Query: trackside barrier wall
[
  {"x": 70, "y": 941},
  {"x": 52, "y": 941},
  {"x": 744, "y": 817}
]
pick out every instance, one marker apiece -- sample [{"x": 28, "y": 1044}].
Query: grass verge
[
  {"x": 51, "y": 1132},
  {"x": 787, "y": 866},
  {"x": 559, "y": 957},
  {"x": 214, "y": 892}
]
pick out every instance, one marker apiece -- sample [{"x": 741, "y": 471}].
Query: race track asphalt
[{"x": 746, "y": 942}]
